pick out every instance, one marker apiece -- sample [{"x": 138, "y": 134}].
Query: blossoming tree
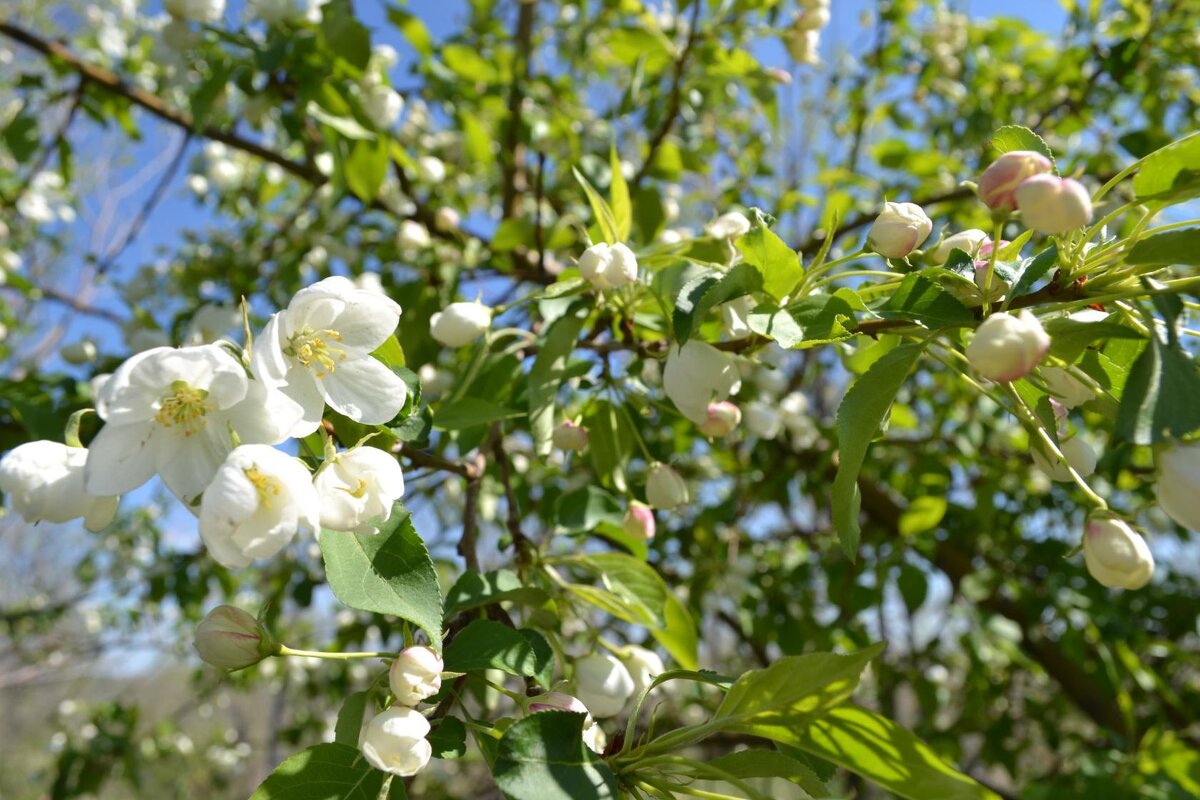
[{"x": 638, "y": 400}]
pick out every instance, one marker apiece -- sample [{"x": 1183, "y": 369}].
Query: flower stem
[{"x": 284, "y": 650}]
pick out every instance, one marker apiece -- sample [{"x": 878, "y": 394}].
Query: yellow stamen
[
  {"x": 266, "y": 486},
  {"x": 184, "y": 408},
  {"x": 314, "y": 350}
]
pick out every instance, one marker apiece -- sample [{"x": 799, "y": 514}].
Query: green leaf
[
  {"x": 881, "y": 751},
  {"x": 1016, "y": 137},
  {"x": 1032, "y": 271},
  {"x": 1171, "y": 170},
  {"x": 350, "y": 719},
  {"x": 448, "y": 738},
  {"x": 679, "y": 633},
  {"x": 605, "y": 219},
  {"x": 792, "y": 690},
  {"x": 21, "y": 137},
  {"x": 1159, "y": 402},
  {"x": 1070, "y": 337},
  {"x": 546, "y": 376},
  {"x": 471, "y": 412},
  {"x": 585, "y": 508},
  {"x": 1172, "y": 247},
  {"x": 858, "y": 419},
  {"x": 543, "y": 757},
  {"x": 473, "y": 590},
  {"x": 467, "y": 63},
  {"x": 346, "y": 36},
  {"x": 622, "y": 207},
  {"x": 771, "y": 764},
  {"x": 387, "y": 573},
  {"x": 325, "y": 772},
  {"x": 923, "y": 514},
  {"x": 640, "y": 592},
  {"x": 414, "y": 30},
  {"x": 920, "y": 299},
  {"x": 609, "y": 444},
  {"x": 825, "y": 318},
  {"x": 770, "y": 255},
  {"x": 490, "y": 645},
  {"x": 366, "y": 168},
  {"x": 346, "y": 126},
  {"x": 702, "y": 294},
  {"x": 777, "y": 325}
]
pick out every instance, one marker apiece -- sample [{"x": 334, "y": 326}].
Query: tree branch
[{"x": 513, "y": 181}]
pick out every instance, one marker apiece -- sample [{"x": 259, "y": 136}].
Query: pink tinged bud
[
  {"x": 415, "y": 674},
  {"x": 665, "y": 488},
  {"x": 1079, "y": 455},
  {"x": 779, "y": 75},
  {"x": 899, "y": 229},
  {"x": 1053, "y": 205},
  {"x": 722, "y": 419},
  {"x": 1007, "y": 347},
  {"x": 1116, "y": 555},
  {"x": 1178, "y": 486},
  {"x": 230, "y": 638},
  {"x": 556, "y": 701},
  {"x": 639, "y": 521},
  {"x": 998, "y": 183},
  {"x": 570, "y": 436}
]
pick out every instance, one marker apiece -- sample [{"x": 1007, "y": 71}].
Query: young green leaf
[
  {"x": 326, "y": 772},
  {"x": 543, "y": 757},
  {"x": 603, "y": 212},
  {"x": 490, "y": 645},
  {"x": 1016, "y": 137},
  {"x": 765, "y": 251},
  {"x": 704, "y": 293}
]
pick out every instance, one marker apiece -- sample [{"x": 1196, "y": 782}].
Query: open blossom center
[
  {"x": 266, "y": 486},
  {"x": 317, "y": 349},
  {"x": 184, "y": 408},
  {"x": 358, "y": 491}
]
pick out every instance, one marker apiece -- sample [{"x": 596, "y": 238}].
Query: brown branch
[
  {"x": 513, "y": 517},
  {"x": 70, "y": 301},
  {"x": 674, "y": 99},
  {"x": 471, "y": 470},
  {"x": 513, "y": 182}
]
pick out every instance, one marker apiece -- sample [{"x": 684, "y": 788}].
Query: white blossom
[
  {"x": 697, "y": 374},
  {"x": 459, "y": 324},
  {"x": 394, "y": 741},
  {"x": 1116, "y": 555},
  {"x": 1178, "y": 486},
  {"x": 415, "y": 675},
  {"x": 730, "y": 225},
  {"x": 899, "y": 229},
  {"x": 1007, "y": 347},
  {"x": 358, "y": 488},
  {"x": 45, "y": 481},
  {"x": 607, "y": 266},
  {"x": 603, "y": 684},
  {"x": 1053, "y": 205}
]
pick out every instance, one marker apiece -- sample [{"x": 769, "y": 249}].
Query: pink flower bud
[
  {"x": 1053, "y": 205},
  {"x": 899, "y": 229},
  {"x": 998, "y": 183},
  {"x": 1007, "y": 347},
  {"x": 556, "y": 701},
  {"x": 723, "y": 418},
  {"x": 639, "y": 521},
  {"x": 230, "y": 638},
  {"x": 570, "y": 436}
]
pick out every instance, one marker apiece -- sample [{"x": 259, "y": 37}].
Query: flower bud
[
  {"x": 394, "y": 741},
  {"x": 81, "y": 352},
  {"x": 607, "y": 266},
  {"x": 415, "y": 675},
  {"x": 1179, "y": 483},
  {"x": 730, "y": 225},
  {"x": 639, "y": 521},
  {"x": 643, "y": 665},
  {"x": 569, "y": 436},
  {"x": 1053, "y": 205},
  {"x": 1079, "y": 454},
  {"x": 358, "y": 489},
  {"x": 1006, "y": 348},
  {"x": 382, "y": 105},
  {"x": 603, "y": 684},
  {"x": 698, "y": 374},
  {"x": 899, "y": 229},
  {"x": 459, "y": 324},
  {"x": 412, "y": 235},
  {"x": 970, "y": 241},
  {"x": 665, "y": 488},
  {"x": 1069, "y": 390},
  {"x": 556, "y": 701},
  {"x": 998, "y": 183},
  {"x": 812, "y": 19},
  {"x": 230, "y": 638},
  {"x": 804, "y": 46},
  {"x": 1116, "y": 555},
  {"x": 723, "y": 419},
  {"x": 431, "y": 169},
  {"x": 763, "y": 419},
  {"x": 446, "y": 219}
]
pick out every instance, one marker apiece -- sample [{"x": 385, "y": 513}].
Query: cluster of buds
[
  {"x": 394, "y": 740},
  {"x": 1023, "y": 180},
  {"x": 803, "y": 37}
]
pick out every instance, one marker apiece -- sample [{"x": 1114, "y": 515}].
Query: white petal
[
  {"x": 367, "y": 320},
  {"x": 269, "y": 363},
  {"x": 267, "y": 416},
  {"x": 364, "y": 390},
  {"x": 187, "y": 469},
  {"x": 121, "y": 458},
  {"x": 102, "y": 512},
  {"x": 301, "y": 387}
]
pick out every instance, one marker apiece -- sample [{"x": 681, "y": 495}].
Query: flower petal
[
  {"x": 121, "y": 458},
  {"x": 188, "y": 469},
  {"x": 364, "y": 390}
]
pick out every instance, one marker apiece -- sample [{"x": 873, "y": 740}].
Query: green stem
[{"x": 284, "y": 650}]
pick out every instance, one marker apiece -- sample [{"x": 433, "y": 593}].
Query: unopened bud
[
  {"x": 998, "y": 183},
  {"x": 230, "y": 638},
  {"x": 570, "y": 436},
  {"x": 1007, "y": 347},
  {"x": 723, "y": 419},
  {"x": 639, "y": 521},
  {"x": 415, "y": 674},
  {"x": 665, "y": 488},
  {"x": 1053, "y": 205},
  {"x": 1116, "y": 555},
  {"x": 899, "y": 229}
]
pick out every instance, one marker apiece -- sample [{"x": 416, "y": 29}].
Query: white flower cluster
[
  {"x": 205, "y": 423},
  {"x": 394, "y": 740},
  {"x": 803, "y": 38}
]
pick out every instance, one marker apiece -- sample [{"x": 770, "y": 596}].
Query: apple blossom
[
  {"x": 412, "y": 235},
  {"x": 643, "y": 665},
  {"x": 607, "y": 266},
  {"x": 230, "y": 638},
  {"x": 1079, "y": 454},
  {"x": 998, "y": 183},
  {"x": 665, "y": 488},
  {"x": 603, "y": 684},
  {"x": 171, "y": 411},
  {"x": 803, "y": 44},
  {"x": 1178, "y": 486},
  {"x": 639, "y": 521},
  {"x": 570, "y": 436},
  {"x": 446, "y": 219},
  {"x": 723, "y": 418},
  {"x": 45, "y": 481},
  {"x": 1116, "y": 555},
  {"x": 459, "y": 324},
  {"x": 1069, "y": 390},
  {"x": 415, "y": 675},
  {"x": 81, "y": 352},
  {"x": 763, "y": 419},
  {"x": 357, "y": 489},
  {"x": 431, "y": 169},
  {"x": 318, "y": 351},
  {"x": 382, "y": 105},
  {"x": 697, "y": 374},
  {"x": 202, "y": 11},
  {"x": 1007, "y": 347},
  {"x": 394, "y": 741},
  {"x": 898, "y": 230},
  {"x": 970, "y": 241},
  {"x": 735, "y": 315},
  {"x": 730, "y": 225},
  {"x": 277, "y": 12},
  {"x": 1053, "y": 205}
]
